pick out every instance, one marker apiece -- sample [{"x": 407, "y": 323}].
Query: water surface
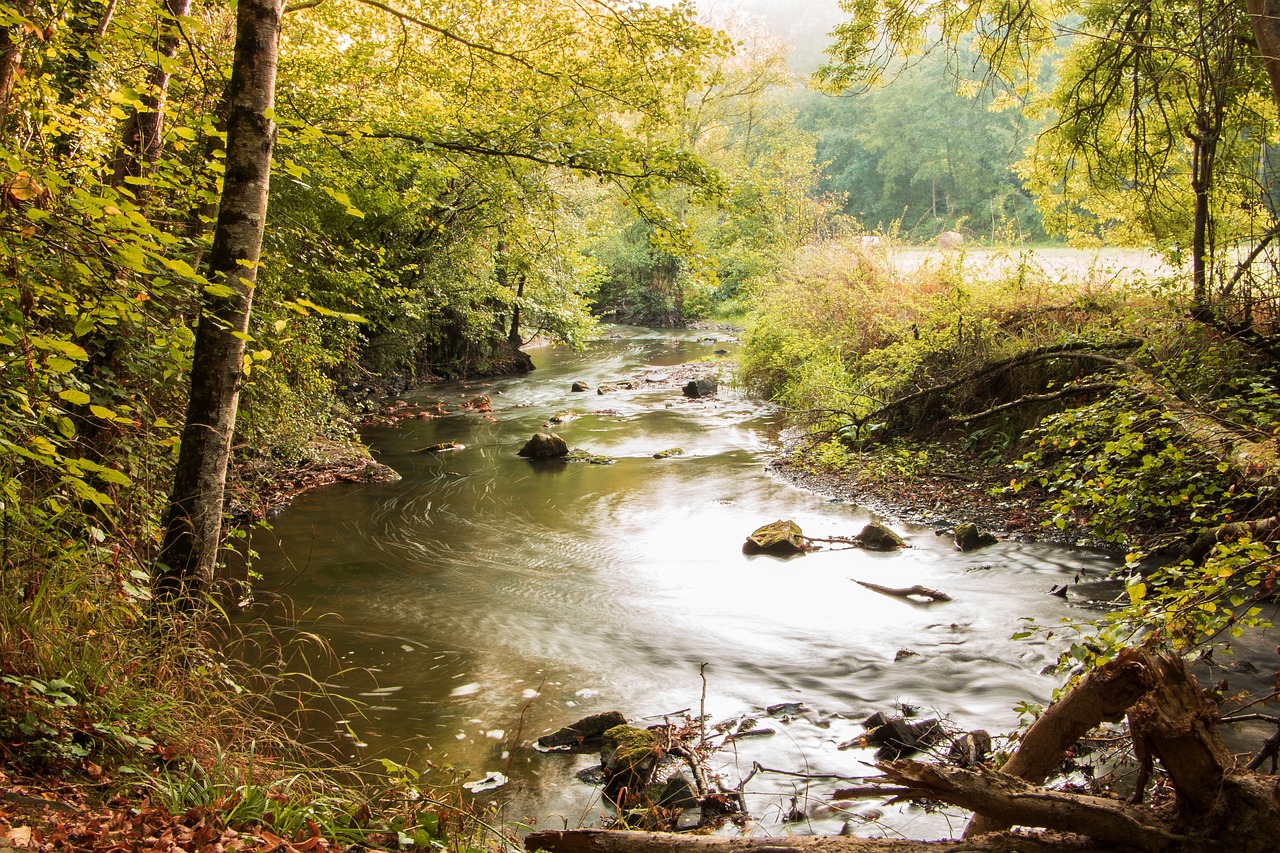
[{"x": 486, "y": 599}]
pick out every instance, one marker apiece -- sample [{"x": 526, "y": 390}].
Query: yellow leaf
[{"x": 1137, "y": 591}]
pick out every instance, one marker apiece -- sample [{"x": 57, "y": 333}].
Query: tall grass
[
  {"x": 189, "y": 712},
  {"x": 845, "y": 329}
]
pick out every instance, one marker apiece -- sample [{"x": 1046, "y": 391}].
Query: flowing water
[{"x": 486, "y": 599}]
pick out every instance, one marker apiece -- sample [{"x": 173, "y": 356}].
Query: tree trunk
[
  {"x": 513, "y": 337},
  {"x": 1203, "y": 148},
  {"x": 193, "y": 521},
  {"x": 10, "y": 63},
  {"x": 1264, "y": 16},
  {"x": 141, "y": 135}
]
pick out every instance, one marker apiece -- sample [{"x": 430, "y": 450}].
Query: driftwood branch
[
  {"x": 1247, "y": 263},
  {"x": 906, "y": 592}
]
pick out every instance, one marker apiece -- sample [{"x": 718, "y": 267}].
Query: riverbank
[{"x": 935, "y": 485}]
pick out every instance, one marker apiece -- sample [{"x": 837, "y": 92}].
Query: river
[{"x": 485, "y": 599}]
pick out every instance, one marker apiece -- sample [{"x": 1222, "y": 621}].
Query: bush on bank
[{"x": 844, "y": 331}]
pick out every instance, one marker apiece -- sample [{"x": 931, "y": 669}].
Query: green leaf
[
  {"x": 74, "y": 397},
  {"x": 179, "y": 266}
]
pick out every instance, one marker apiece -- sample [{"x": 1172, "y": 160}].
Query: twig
[
  {"x": 695, "y": 764},
  {"x": 702, "y": 706},
  {"x": 862, "y": 791}
]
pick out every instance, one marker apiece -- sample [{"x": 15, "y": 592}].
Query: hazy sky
[{"x": 802, "y": 23}]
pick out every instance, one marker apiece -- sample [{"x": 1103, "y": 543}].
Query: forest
[{"x": 230, "y": 231}]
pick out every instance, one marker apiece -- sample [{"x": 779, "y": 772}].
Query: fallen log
[
  {"x": 1104, "y": 695},
  {"x": 1012, "y": 800},
  {"x": 610, "y": 841},
  {"x": 909, "y": 592}
]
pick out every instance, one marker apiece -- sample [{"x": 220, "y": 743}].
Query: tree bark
[
  {"x": 1012, "y": 800},
  {"x": 1178, "y": 724},
  {"x": 141, "y": 135},
  {"x": 1264, "y": 16},
  {"x": 10, "y": 63},
  {"x": 193, "y": 521}
]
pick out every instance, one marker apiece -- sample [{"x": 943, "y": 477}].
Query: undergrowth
[{"x": 103, "y": 692}]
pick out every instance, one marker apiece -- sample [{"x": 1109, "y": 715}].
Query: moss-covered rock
[
  {"x": 876, "y": 537},
  {"x": 630, "y": 756},
  {"x": 545, "y": 446},
  {"x": 969, "y": 537},
  {"x": 781, "y": 538},
  {"x": 579, "y": 455},
  {"x": 585, "y": 734}
]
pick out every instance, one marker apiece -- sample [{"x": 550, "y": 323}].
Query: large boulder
[
  {"x": 876, "y": 537},
  {"x": 703, "y": 386},
  {"x": 586, "y": 734},
  {"x": 970, "y": 537},
  {"x": 545, "y": 446},
  {"x": 781, "y": 538}
]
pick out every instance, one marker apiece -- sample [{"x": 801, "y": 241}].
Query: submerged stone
[{"x": 703, "y": 386}]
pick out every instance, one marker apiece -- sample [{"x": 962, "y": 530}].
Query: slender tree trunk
[
  {"x": 193, "y": 521},
  {"x": 10, "y": 63},
  {"x": 1204, "y": 149},
  {"x": 140, "y": 144},
  {"x": 513, "y": 338}
]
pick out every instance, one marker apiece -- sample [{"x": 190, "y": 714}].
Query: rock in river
[
  {"x": 780, "y": 538},
  {"x": 545, "y": 446},
  {"x": 580, "y": 386},
  {"x": 877, "y": 537},
  {"x": 630, "y": 756},
  {"x": 585, "y": 735},
  {"x": 703, "y": 386},
  {"x": 969, "y": 537}
]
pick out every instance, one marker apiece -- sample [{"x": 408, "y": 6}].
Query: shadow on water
[{"x": 488, "y": 599}]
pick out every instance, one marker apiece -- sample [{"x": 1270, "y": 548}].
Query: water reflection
[{"x": 492, "y": 599}]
